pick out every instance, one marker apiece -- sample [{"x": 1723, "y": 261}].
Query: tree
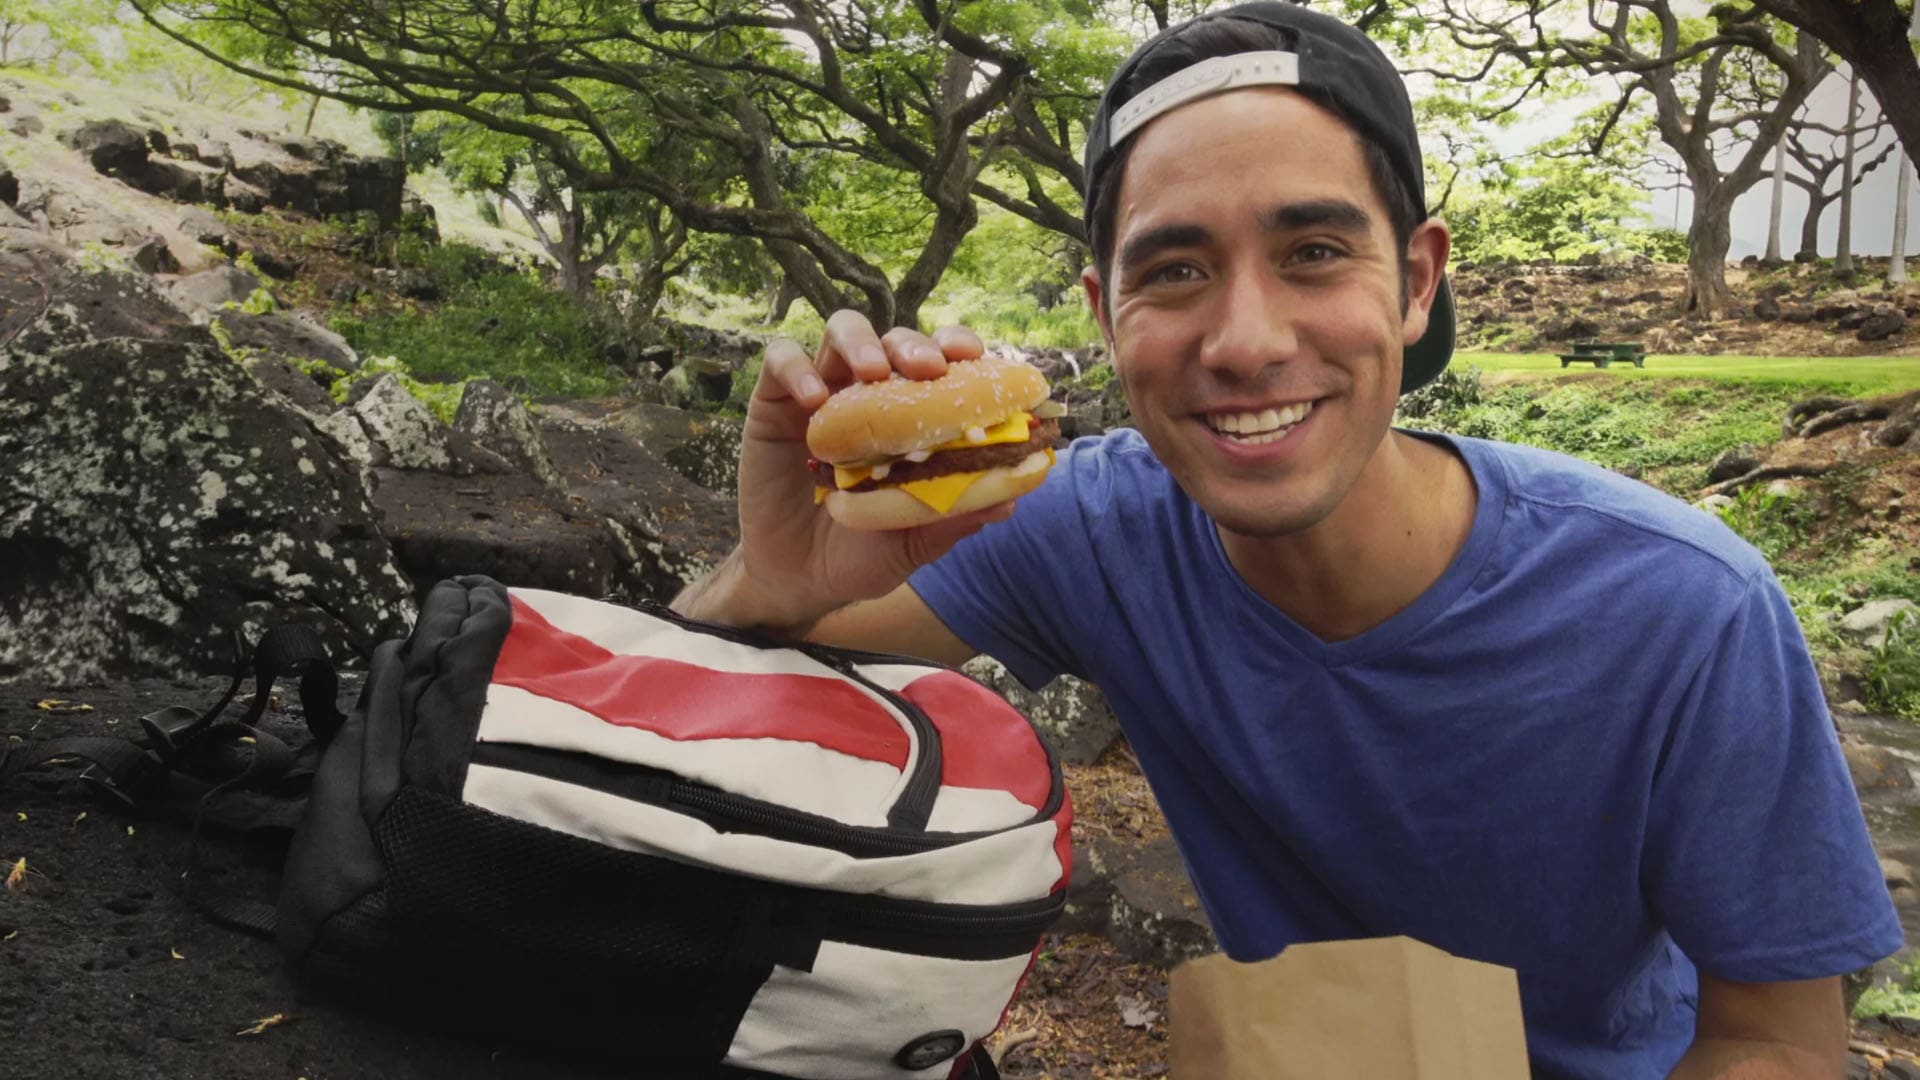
[
  {"x": 1819, "y": 150},
  {"x": 1843, "y": 256},
  {"x": 947, "y": 99},
  {"x": 582, "y": 232},
  {"x": 1897, "y": 264},
  {"x": 1696, "y": 72},
  {"x": 1777, "y": 204},
  {"x": 1875, "y": 38}
]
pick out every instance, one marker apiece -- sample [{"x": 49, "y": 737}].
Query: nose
[{"x": 1253, "y": 325}]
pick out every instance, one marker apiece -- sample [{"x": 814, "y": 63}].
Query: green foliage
[
  {"x": 505, "y": 326},
  {"x": 1660, "y": 245},
  {"x": 442, "y": 399},
  {"x": 1773, "y": 523},
  {"x": 1556, "y": 208},
  {"x": 1893, "y": 674},
  {"x": 1900, "y": 999},
  {"x": 1022, "y": 321},
  {"x": 1452, "y": 392},
  {"x": 1630, "y": 424}
]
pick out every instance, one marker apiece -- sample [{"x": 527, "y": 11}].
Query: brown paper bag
[{"x": 1378, "y": 1009}]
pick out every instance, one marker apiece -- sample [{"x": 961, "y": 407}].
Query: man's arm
[
  {"x": 899, "y": 622},
  {"x": 1767, "y": 1031}
]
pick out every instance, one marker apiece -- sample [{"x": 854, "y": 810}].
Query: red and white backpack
[{"x": 675, "y": 848}]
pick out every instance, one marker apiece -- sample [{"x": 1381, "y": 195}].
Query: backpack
[{"x": 667, "y": 846}]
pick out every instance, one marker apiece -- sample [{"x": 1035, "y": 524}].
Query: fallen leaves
[
  {"x": 264, "y": 1023},
  {"x": 17, "y": 878},
  {"x": 1134, "y": 1012},
  {"x": 60, "y": 705}
]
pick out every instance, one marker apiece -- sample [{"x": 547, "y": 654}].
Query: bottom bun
[{"x": 892, "y": 508}]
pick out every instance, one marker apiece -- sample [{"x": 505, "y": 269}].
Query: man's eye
[
  {"x": 1172, "y": 274},
  {"x": 1317, "y": 253}
]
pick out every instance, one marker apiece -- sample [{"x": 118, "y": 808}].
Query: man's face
[{"x": 1255, "y": 306}]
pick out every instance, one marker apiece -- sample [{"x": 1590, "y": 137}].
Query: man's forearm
[
  {"x": 1755, "y": 1059},
  {"x": 726, "y": 595}
]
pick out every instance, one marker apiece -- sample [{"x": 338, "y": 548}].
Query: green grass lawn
[{"x": 1856, "y": 374}]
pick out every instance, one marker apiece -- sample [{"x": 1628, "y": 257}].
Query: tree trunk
[
  {"x": 783, "y": 300},
  {"x": 1897, "y": 265},
  {"x": 1709, "y": 236},
  {"x": 1876, "y": 41},
  {"x": 1810, "y": 224},
  {"x": 1843, "y": 254},
  {"x": 1779, "y": 201}
]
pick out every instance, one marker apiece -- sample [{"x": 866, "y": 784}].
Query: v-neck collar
[{"x": 1490, "y": 483}]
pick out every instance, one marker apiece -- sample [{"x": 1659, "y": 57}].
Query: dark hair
[{"x": 1203, "y": 40}]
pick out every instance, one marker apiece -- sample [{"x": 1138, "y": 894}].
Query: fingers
[
  {"x": 850, "y": 348},
  {"x": 959, "y": 343},
  {"x": 788, "y": 372},
  {"x": 914, "y": 354}
]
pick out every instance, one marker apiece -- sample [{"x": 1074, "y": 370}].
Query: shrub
[
  {"x": 508, "y": 327},
  {"x": 1773, "y": 523},
  {"x": 1900, "y": 999},
  {"x": 1893, "y": 675}
]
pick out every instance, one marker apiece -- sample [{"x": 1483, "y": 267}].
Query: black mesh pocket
[{"x": 526, "y": 933}]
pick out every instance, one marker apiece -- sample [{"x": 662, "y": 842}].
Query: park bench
[{"x": 1603, "y": 353}]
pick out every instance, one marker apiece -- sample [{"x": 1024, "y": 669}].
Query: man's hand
[
  {"x": 794, "y": 564},
  {"x": 1767, "y": 1031}
]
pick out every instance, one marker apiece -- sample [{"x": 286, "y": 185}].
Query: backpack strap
[{"x": 197, "y": 766}]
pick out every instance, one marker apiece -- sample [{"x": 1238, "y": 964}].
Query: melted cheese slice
[
  {"x": 1014, "y": 429},
  {"x": 941, "y": 492}
]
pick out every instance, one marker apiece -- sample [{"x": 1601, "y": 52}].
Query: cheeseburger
[{"x": 905, "y": 452}]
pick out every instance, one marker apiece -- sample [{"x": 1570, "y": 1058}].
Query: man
[{"x": 1382, "y": 683}]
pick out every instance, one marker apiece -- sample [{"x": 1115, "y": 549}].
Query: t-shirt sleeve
[
  {"x": 1758, "y": 860},
  {"x": 1020, "y": 591}
]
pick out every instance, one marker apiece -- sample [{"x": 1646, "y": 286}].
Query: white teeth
[{"x": 1255, "y": 427}]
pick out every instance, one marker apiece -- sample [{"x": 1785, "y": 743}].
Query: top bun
[{"x": 899, "y": 415}]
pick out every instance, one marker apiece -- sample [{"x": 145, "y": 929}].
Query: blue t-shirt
[{"x": 1595, "y": 750}]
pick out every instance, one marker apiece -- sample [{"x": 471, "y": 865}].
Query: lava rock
[
  {"x": 161, "y": 500},
  {"x": 1882, "y": 326}
]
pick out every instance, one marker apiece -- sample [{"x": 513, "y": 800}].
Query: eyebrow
[{"x": 1337, "y": 214}]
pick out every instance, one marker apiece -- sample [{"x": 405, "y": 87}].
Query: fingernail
[
  {"x": 873, "y": 354},
  {"x": 928, "y": 353},
  {"x": 811, "y": 386}
]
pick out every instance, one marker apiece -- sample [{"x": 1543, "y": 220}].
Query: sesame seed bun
[
  {"x": 892, "y": 508},
  {"x": 870, "y": 420}
]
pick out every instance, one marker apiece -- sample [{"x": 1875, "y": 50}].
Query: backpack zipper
[{"x": 722, "y": 809}]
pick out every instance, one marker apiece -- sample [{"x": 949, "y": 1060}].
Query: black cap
[{"x": 1343, "y": 68}]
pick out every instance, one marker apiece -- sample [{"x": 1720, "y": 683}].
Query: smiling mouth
[{"x": 1256, "y": 428}]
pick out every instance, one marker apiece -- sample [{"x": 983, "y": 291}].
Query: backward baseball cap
[{"x": 1341, "y": 65}]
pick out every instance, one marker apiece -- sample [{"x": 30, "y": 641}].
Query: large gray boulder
[
  {"x": 626, "y": 524},
  {"x": 202, "y": 295},
  {"x": 293, "y": 336},
  {"x": 1138, "y": 896},
  {"x": 113, "y": 147},
  {"x": 156, "y": 498},
  {"x": 1870, "y": 622},
  {"x": 492, "y": 416},
  {"x": 1072, "y": 715},
  {"x": 702, "y": 447}
]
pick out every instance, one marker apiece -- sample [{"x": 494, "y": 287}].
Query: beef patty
[{"x": 971, "y": 459}]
